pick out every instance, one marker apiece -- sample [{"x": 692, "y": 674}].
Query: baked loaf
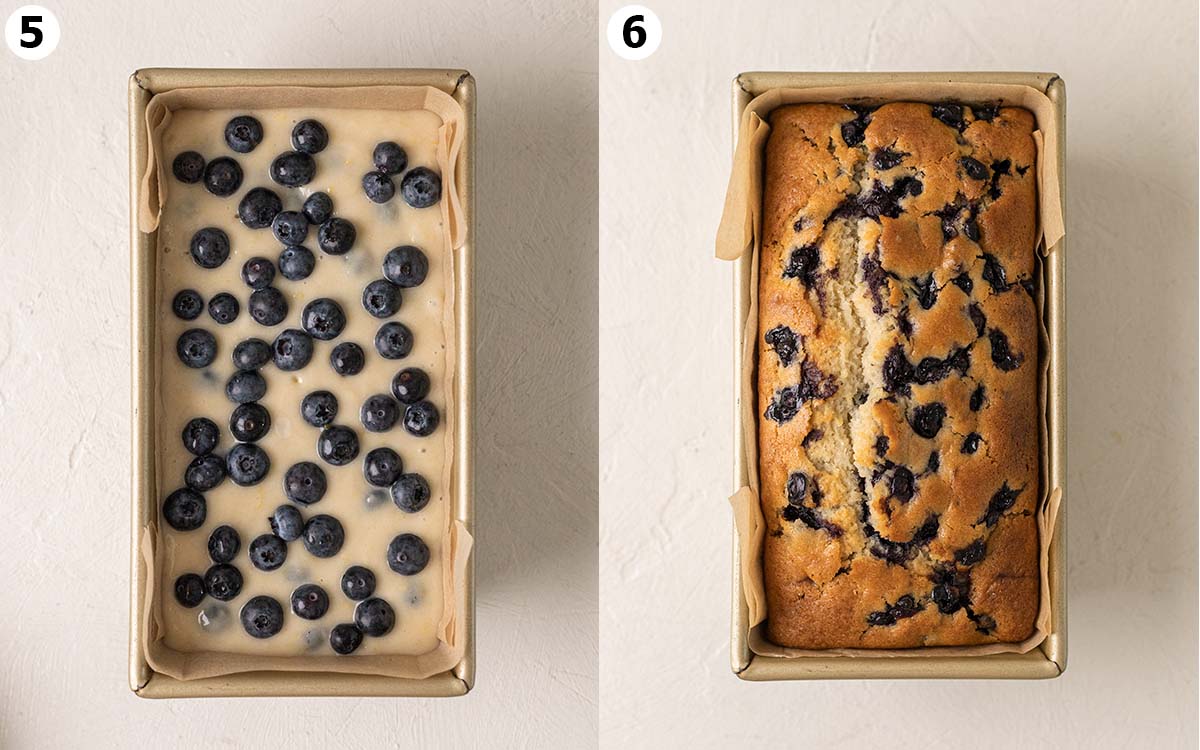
[{"x": 897, "y": 376}]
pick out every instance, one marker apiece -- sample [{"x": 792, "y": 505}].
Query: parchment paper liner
[
  {"x": 456, "y": 540},
  {"x": 740, "y": 233}
]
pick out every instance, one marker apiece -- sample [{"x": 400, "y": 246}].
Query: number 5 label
[
  {"x": 634, "y": 32},
  {"x": 32, "y": 32}
]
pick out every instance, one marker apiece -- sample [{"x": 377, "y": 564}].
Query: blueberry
[
  {"x": 262, "y": 617},
  {"x": 323, "y": 319},
  {"x": 196, "y": 347},
  {"x": 784, "y": 342},
  {"x": 251, "y": 354},
  {"x": 222, "y": 177},
  {"x": 336, "y": 236},
  {"x": 974, "y": 168},
  {"x": 268, "y": 307},
  {"x": 310, "y": 602},
  {"x": 188, "y": 304},
  {"x": 293, "y": 169},
  {"x": 379, "y": 412},
  {"x": 410, "y": 385},
  {"x": 885, "y": 158},
  {"x": 304, "y": 483},
  {"x": 971, "y": 443},
  {"x": 903, "y": 484},
  {"x": 323, "y": 536},
  {"x": 407, "y": 554},
  {"x": 293, "y": 350},
  {"x": 223, "y": 582},
  {"x": 382, "y": 466},
  {"x": 994, "y": 273},
  {"x": 977, "y": 397},
  {"x": 290, "y": 227},
  {"x": 421, "y": 187},
  {"x": 378, "y": 187},
  {"x": 374, "y": 617},
  {"x": 223, "y": 544},
  {"x": 1003, "y": 500},
  {"x": 247, "y": 464},
  {"x": 249, "y": 422},
  {"x": 185, "y": 510},
  {"x": 224, "y": 308},
  {"x": 393, "y": 340},
  {"x": 345, "y": 638},
  {"x": 318, "y": 208},
  {"x": 296, "y": 263},
  {"x": 381, "y": 298},
  {"x": 347, "y": 358},
  {"x": 410, "y": 493},
  {"x": 258, "y": 272},
  {"x": 797, "y": 486},
  {"x": 971, "y": 554},
  {"x": 319, "y": 408},
  {"x": 267, "y": 552},
  {"x": 189, "y": 590},
  {"x": 337, "y": 445},
  {"x": 200, "y": 436},
  {"x": 421, "y": 418},
  {"x": 188, "y": 167},
  {"x": 310, "y": 137},
  {"x": 389, "y": 157},
  {"x": 927, "y": 419},
  {"x": 951, "y": 114},
  {"x": 1002, "y": 355},
  {"x": 204, "y": 472},
  {"x": 287, "y": 523},
  {"x": 245, "y": 386},
  {"x": 358, "y": 583},
  {"x": 405, "y": 266},
  {"x": 209, "y": 247},
  {"x": 243, "y": 133},
  {"x": 258, "y": 208}
]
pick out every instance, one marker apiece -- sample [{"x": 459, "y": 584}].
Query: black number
[
  {"x": 27, "y": 27},
  {"x": 635, "y": 36}
]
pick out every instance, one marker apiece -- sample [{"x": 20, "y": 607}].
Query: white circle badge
[
  {"x": 634, "y": 32},
  {"x": 32, "y": 32}
]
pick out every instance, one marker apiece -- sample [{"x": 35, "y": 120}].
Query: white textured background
[
  {"x": 1130, "y": 70},
  {"x": 64, "y": 371}
]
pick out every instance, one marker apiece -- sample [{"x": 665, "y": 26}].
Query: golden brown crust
[{"x": 897, "y": 376}]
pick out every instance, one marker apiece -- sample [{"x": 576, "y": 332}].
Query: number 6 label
[
  {"x": 32, "y": 32},
  {"x": 634, "y": 32}
]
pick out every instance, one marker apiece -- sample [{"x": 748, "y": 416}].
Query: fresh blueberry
[
  {"x": 393, "y": 340},
  {"x": 347, "y": 358},
  {"x": 358, "y": 583},
  {"x": 319, "y": 408},
  {"x": 337, "y": 445},
  {"x": 268, "y": 307},
  {"x": 293, "y": 169},
  {"x": 224, "y": 308},
  {"x": 200, "y": 436},
  {"x": 304, "y": 483},
  {"x": 287, "y": 523},
  {"x": 245, "y": 386},
  {"x": 188, "y": 167},
  {"x": 389, "y": 157},
  {"x": 251, "y": 354},
  {"x": 310, "y": 137},
  {"x": 323, "y": 536},
  {"x": 258, "y": 272},
  {"x": 222, "y": 177},
  {"x": 336, "y": 236},
  {"x": 204, "y": 472},
  {"x": 247, "y": 464},
  {"x": 223, "y": 582},
  {"x": 407, "y": 554},
  {"x": 290, "y": 227},
  {"x": 262, "y": 617},
  {"x": 405, "y": 266},
  {"x": 345, "y": 638},
  {"x": 318, "y": 208},
  {"x": 189, "y": 590},
  {"x": 223, "y": 544},
  {"x": 258, "y": 208},
  {"x": 249, "y": 422},
  {"x": 374, "y": 617},
  {"x": 410, "y": 385},
  {"x": 196, "y": 347},
  {"x": 296, "y": 262},
  {"x": 382, "y": 466},
  {"x": 421, "y": 418},
  {"x": 185, "y": 510},
  {"x": 379, "y": 412},
  {"x": 209, "y": 247},
  {"x": 188, "y": 304},
  {"x": 310, "y": 602},
  {"x": 323, "y": 319},
  {"x": 378, "y": 187},
  {"x": 381, "y": 298},
  {"x": 293, "y": 350},
  {"x": 410, "y": 493},
  {"x": 421, "y": 187},
  {"x": 243, "y": 133},
  {"x": 268, "y": 552}
]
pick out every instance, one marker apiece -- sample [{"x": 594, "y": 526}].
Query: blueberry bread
[{"x": 897, "y": 376}]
